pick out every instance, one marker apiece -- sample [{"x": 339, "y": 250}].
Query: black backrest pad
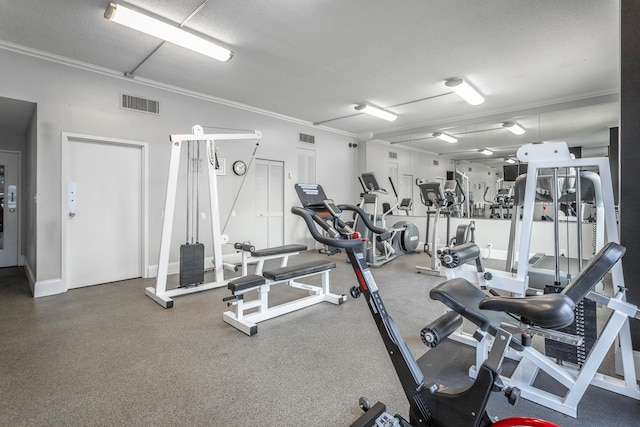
[{"x": 599, "y": 265}]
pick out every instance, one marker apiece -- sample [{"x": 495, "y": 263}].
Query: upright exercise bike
[{"x": 430, "y": 405}]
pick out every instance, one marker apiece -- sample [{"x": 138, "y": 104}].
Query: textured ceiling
[{"x": 551, "y": 65}]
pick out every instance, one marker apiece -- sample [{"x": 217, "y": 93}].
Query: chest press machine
[{"x": 244, "y": 317}]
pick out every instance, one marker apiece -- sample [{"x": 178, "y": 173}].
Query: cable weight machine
[{"x": 160, "y": 293}]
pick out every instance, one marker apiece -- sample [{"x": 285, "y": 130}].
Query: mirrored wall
[{"x": 408, "y": 157}]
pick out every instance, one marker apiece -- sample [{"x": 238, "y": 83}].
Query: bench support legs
[{"x": 247, "y": 322}]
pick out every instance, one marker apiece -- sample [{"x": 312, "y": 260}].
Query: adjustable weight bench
[
  {"x": 544, "y": 315},
  {"x": 251, "y": 255},
  {"x": 247, "y": 322}
]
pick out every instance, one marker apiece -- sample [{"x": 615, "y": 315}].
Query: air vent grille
[
  {"x": 307, "y": 139},
  {"x": 436, "y": 163},
  {"x": 136, "y": 103},
  {"x": 393, "y": 155}
]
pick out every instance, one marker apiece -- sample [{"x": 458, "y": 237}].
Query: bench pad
[
  {"x": 246, "y": 282},
  {"x": 464, "y": 298},
  {"x": 291, "y": 271},
  {"x": 279, "y": 250}
]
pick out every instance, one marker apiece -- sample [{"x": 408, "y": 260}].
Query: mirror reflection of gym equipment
[{"x": 438, "y": 203}]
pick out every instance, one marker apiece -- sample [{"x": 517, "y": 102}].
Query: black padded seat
[
  {"x": 550, "y": 311},
  {"x": 464, "y": 298},
  {"x": 291, "y": 271},
  {"x": 286, "y": 249},
  {"x": 245, "y": 282}
]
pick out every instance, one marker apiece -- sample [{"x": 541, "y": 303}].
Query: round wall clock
[{"x": 239, "y": 167}]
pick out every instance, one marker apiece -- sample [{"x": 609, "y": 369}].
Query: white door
[
  {"x": 269, "y": 203},
  {"x": 406, "y": 189},
  {"x": 306, "y": 166},
  {"x": 104, "y": 211},
  {"x": 9, "y": 208}
]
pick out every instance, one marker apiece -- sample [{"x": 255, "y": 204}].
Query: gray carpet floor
[{"x": 109, "y": 355}]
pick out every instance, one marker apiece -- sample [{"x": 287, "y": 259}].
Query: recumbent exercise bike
[{"x": 430, "y": 405}]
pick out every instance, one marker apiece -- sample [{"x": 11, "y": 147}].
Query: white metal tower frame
[{"x": 160, "y": 294}]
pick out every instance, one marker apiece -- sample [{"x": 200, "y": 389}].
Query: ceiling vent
[
  {"x": 393, "y": 155},
  {"x": 136, "y": 103},
  {"x": 436, "y": 163},
  {"x": 307, "y": 139}
]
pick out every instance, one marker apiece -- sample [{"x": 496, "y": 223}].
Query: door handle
[{"x": 72, "y": 201}]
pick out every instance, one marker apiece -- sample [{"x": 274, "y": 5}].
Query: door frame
[
  {"x": 67, "y": 139},
  {"x": 20, "y": 258},
  {"x": 269, "y": 163}
]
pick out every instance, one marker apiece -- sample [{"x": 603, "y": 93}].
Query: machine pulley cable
[{"x": 213, "y": 159}]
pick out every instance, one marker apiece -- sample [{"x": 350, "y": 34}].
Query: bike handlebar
[{"x": 310, "y": 218}]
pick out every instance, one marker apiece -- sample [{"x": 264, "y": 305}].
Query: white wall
[{"x": 73, "y": 99}]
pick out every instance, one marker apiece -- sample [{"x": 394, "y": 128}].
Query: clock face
[{"x": 239, "y": 167}]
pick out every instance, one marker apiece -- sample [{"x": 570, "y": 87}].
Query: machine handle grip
[
  {"x": 382, "y": 233},
  {"x": 308, "y": 217}
]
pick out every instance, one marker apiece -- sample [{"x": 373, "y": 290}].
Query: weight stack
[
  {"x": 191, "y": 264},
  {"x": 584, "y": 325}
]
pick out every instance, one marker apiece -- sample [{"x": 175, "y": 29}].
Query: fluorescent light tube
[
  {"x": 445, "y": 137},
  {"x": 510, "y": 161},
  {"x": 486, "y": 152},
  {"x": 464, "y": 91},
  {"x": 376, "y": 111},
  {"x": 513, "y": 127},
  {"x": 148, "y": 25}
]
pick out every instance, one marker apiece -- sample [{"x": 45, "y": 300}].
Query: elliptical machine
[
  {"x": 430, "y": 405},
  {"x": 404, "y": 235}
]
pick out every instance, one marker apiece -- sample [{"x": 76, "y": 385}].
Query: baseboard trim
[{"x": 46, "y": 288}]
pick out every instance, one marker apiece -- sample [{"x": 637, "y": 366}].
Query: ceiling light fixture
[
  {"x": 513, "y": 127},
  {"x": 162, "y": 30},
  {"x": 510, "y": 161},
  {"x": 486, "y": 152},
  {"x": 445, "y": 137},
  {"x": 464, "y": 91},
  {"x": 376, "y": 111}
]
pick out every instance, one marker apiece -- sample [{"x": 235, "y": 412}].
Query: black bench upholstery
[
  {"x": 291, "y": 271},
  {"x": 245, "y": 282},
  {"x": 464, "y": 298},
  {"x": 278, "y": 250}
]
